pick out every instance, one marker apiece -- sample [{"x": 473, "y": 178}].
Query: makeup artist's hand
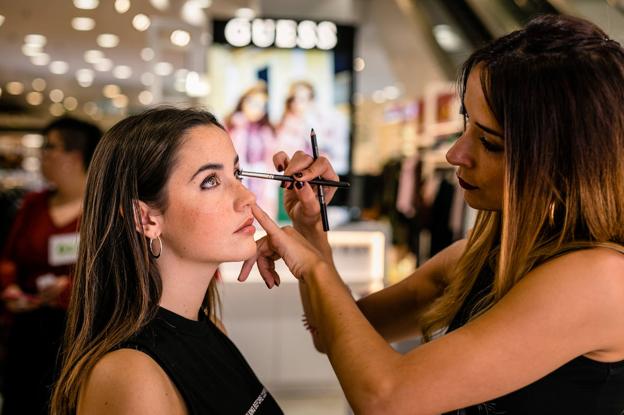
[
  {"x": 301, "y": 202},
  {"x": 286, "y": 243}
]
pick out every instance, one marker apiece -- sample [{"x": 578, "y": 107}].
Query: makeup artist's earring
[{"x": 151, "y": 247}]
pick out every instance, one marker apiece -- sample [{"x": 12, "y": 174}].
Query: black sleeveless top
[
  {"x": 205, "y": 366},
  {"x": 580, "y": 387}
]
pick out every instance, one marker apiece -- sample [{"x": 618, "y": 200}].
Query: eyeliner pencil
[
  {"x": 319, "y": 189},
  {"x": 283, "y": 178}
]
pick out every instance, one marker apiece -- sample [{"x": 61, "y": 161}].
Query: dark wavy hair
[{"x": 556, "y": 87}]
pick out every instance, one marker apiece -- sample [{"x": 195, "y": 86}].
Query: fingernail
[
  {"x": 267, "y": 284},
  {"x": 299, "y": 185},
  {"x": 280, "y": 167},
  {"x": 283, "y": 184},
  {"x": 299, "y": 174}
]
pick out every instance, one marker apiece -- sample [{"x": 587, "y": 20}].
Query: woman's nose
[
  {"x": 244, "y": 198},
  {"x": 460, "y": 154}
]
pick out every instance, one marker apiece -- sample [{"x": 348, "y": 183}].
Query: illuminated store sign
[{"x": 281, "y": 33}]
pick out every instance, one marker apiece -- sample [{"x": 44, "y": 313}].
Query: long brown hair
[
  {"x": 117, "y": 285},
  {"x": 557, "y": 89}
]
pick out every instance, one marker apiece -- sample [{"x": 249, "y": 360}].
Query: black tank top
[
  {"x": 580, "y": 387},
  {"x": 206, "y": 367}
]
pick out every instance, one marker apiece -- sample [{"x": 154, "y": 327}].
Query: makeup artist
[{"x": 525, "y": 316}]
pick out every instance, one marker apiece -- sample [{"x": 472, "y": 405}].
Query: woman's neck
[{"x": 184, "y": 285}]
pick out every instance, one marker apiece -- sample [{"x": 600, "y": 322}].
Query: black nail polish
[
  {"x": 299, "y": 185},
  {"x": 298, "y": 174}
]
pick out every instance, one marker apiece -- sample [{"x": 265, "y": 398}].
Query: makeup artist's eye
[
  {"x": 492, "y": 148},
  {"x": 210, "y": 182}
]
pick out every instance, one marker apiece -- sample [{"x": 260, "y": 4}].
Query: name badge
[{"x": 63, "y": 249}]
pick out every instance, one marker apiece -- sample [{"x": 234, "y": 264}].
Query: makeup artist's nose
[
  {"x": 460, "y": 154},
  {"x": 244, "y": 198}
]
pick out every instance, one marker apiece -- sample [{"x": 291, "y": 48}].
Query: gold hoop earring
[{"x": 151, "y": 248}]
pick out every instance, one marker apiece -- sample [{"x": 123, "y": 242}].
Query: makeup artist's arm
[{"x": 570, "y": 306}]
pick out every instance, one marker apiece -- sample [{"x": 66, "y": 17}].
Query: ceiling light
[
  {"x": 120, "y": 101},
  {"x": 59, "y": 67},
  {"x": 163, "y": 68},
  {"x": 180, "y": 38},
  {"x": 90, "y": 108},
  {"x": 86, "y": 4},
  {"x": 56, "y": 95},
  {"x": 32, "y": 140},
  {"x": 122, "y": 72},
  {"x": 192, "y": 13},
  {"x": 57, "y": 109},
  {"x": 122, "y": 6},
  {"x": 146, "y": 97},
  {"x": 83, "y": 24},
  {"x": 359, "y": 64},
  {"x": 41, "y": 59},
  {"x": 107, "y": 40},
  {"x": 147, "y": 78},
  {"x": 70, "y": 103},
  {"x": 34, "y": 39},
  {"x": 85, "y": 77},
  {"x": 147, "y": 54},
  {"x": 447, "y": 38},
  {"x": 34, "y": 98},
  {"x": 14, "y": 88},
  {"x": 39, "y": 84},
  {"x": 103, "y": 65},
  {"x": 93, "y": 56},
  {"x": 160, "y": 4},
  {"x": 196, "y": 85},
  {"x": 111, "y": 91},
  {"x": 141, "y": 22},
  {"x": 245, "y": 13},
  {"x": 29, "y": 49}
]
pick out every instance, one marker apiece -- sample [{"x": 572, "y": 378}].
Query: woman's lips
[
  {"x": 247, "y": 227},
  {"x": 466, "y": 185}
]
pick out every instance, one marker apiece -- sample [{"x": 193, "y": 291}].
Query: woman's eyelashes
[
  {"x": 237, "y": 175},
  {"x": 491, "y": 147},
  {"x": 210, "y": 181}
]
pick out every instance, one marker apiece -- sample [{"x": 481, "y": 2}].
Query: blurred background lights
[
  {"x": 147, "y": 54},
  {"x": 163, "y": 69},
  {"x": 180, "y": 38},
  {"x": 59, "y": 67},
  {"x": 56, "y": 95},
  {"x": 34, "y": 98},
  {"x": 70, "y": 103},
  {"x": 141, "y": 22},
  {"x": 42, "y": 59},
  {"x": 93, "y": 56},
  {"x": 120, "y": 101},
  {"x": 57, "y": 109},
  {"x": 107, "y": 40},
  {"x": 35, "y": 39},
  {"x": 160, "y": 4},
  {"x": 111, "y": 91},
  {"x": 122, "y": 72},
  {"x": 359, "y": 64},
  {"x": 122, "y": 6},
  {"x": 86, "y": 4},
  {"x": 147, "y": 78},
  {"x": 103, "y": 65},
  {"x": 146, "y": 97},
  {"x": 39, "y": 84},
  {"x": 83, "y": 24},
  {"x": 14, "y": 88},
  {"x": 85, "y": 77}
]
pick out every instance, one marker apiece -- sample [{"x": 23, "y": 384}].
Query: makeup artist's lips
[
  {"x": 247, "y": 227},
  {"x": 466, "y": 185}
]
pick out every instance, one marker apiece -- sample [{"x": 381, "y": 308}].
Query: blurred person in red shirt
[{"x": 36, "y": 262}]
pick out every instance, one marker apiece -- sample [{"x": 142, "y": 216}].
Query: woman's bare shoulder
[{"x": 128, "y": 381}]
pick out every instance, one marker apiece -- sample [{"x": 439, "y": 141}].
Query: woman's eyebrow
[
  {"x": 207, "y": 166},
  {"x": 489, "y": 130}
]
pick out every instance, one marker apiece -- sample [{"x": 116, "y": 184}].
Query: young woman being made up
[{"x": 163, "y": 208}]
